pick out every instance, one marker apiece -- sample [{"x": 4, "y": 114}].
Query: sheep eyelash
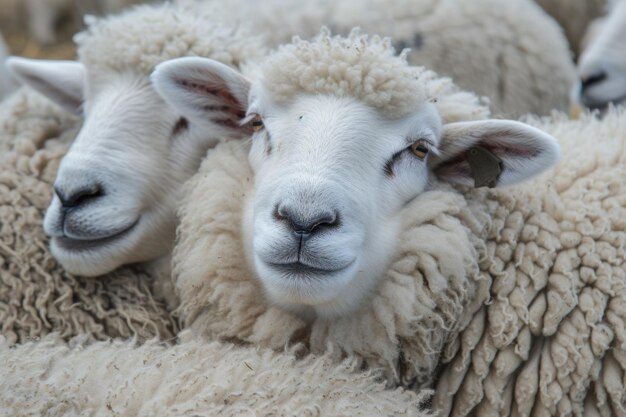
[
  {"x": 396, "y": 156},
  {"x": 267, "y": 138},
  {"x": 247, "y": 119},
  {"x": 392, "y": 161}
]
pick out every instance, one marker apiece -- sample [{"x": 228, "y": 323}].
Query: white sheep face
[
  {"x": 332, "y": 176},
  {"x": 602, "y": 65},
  {"x": 117, "y": 187}
]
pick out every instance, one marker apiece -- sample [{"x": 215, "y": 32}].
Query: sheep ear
[
  {"x": 493, "y": 153},
  {"x": 60, "y": 81},
  {"x": 205, "y": 91}
]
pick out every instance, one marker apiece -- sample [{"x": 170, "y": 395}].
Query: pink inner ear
[
  {"x": 455, "y": 167},
  {"x": 222, "y": 108},
  {"x": 504, "y": 150}
]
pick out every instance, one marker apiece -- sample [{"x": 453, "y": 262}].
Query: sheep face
[
  {"x": 117, "y": 187},
  {"x": 333, "y": 174},
  {"x": 602, "y": 66}
]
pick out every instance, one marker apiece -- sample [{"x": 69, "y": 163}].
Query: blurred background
[{"x": 44, "y": 28}]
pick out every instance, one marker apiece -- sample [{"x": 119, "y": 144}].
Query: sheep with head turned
[
  {"x": 334, "y": 226},
  {"x": 509, "y": 51},
  {"x": 37, "y": 295},
  {"x": 118, "y": 185},
  {"x": 131, "y": 146}
]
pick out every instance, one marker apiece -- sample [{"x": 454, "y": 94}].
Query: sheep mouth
[
  {"x": 299, "y": 268},
  {"x": 78, "y": 245}
]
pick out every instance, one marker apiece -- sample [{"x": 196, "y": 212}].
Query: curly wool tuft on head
[
  {"x": 145, "y": 36},
  {"x": 367, "y": 69}
]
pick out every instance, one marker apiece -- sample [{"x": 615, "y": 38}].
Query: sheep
[
  {"x": 55, "y": 378},
  {"x": 510, "y": 51},
  {"x": 118, "y": 185},
  {"x": 602, "y": 65},
  {"x": 156, "y": 177},
  {"x": 138, "y": 149},
  {"x": 335, "y": 226},
  {"x": 37, "y": 295}
]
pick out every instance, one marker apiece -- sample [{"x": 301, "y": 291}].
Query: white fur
[
  {"x": 604, "y": 59},
  {"x": 328, "y": 152},
  {"x": 122, "y": 176},
  {"x": 127, "y": 146}
]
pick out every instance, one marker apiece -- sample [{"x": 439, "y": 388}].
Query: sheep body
[
  {"x": 486, "y": 283},
  {"x": 508, "y": 51},
  {"x": 36, "y": 295},
  {"x": 54, "y": 378}
]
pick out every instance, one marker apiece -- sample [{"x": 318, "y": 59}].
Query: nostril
[
  {"x": 79, "y": 196},
  {"x": 280, "y": 213},
  {"x": 595, "y": 78},
  {"x": 305, "y": 225},
  {"x": 326, "y": 219}
]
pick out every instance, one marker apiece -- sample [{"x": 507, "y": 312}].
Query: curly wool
[
  {"x": 54, "y": 378},
  {"x": 366, "y": 69},
  {"x": 144, "y": 36},
  {"x": 36, "y": 295},
  {"x": 354, "y": 66},
  {"x": 504, "y": 299},
  {"x": 552, "y": 338}
]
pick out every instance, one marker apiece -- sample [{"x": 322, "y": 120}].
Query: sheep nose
[
  {"x": 593, "y": 79},
  {"x": 78, "y": 196},
  {"x": 305, "y": 225}
]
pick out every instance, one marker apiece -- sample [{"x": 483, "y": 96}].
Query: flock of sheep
[{"x": 226, "y": 210}]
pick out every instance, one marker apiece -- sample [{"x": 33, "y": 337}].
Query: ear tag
[{"x": 486, "y": 167}]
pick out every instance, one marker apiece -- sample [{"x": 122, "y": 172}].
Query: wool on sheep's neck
[{"x": 404, "y": 326}]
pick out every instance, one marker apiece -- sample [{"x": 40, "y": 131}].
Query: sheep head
[
  {"x": 118, "y": 186},
  {"x": 602, "y": 65},
  {"x": 339, "y": 146}
]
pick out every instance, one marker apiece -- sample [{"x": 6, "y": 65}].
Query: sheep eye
[
  {"x": 256, "y": 123},
  {"x": 420, "y": 148}
]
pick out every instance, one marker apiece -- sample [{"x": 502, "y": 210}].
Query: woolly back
[
  {"x": 366, "y": 69},
  {"x": 144, "y": 36}
]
